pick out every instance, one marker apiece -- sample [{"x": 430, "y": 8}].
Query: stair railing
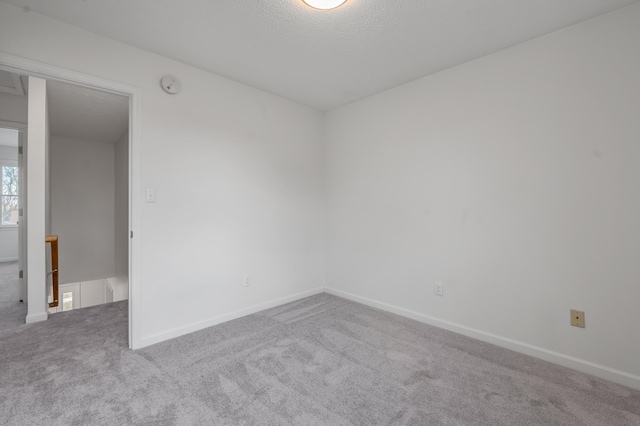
[{"x": 53, "y": 240}]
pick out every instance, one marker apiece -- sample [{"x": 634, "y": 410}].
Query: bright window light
[
  {"x": 67, "y": 301},
  {"x": 324, "y": 4},
  {"x": 9, "y": 196}
]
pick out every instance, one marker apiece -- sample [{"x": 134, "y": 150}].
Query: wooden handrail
[{"x": 53, "y": 239}]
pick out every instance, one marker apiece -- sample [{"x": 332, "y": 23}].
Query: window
[
  {"x": 67, "y": 301},
  {"x": 10, "y": 187}
]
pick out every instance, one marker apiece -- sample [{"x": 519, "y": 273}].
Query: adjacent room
[
  {"x": 9, "y": 286},
  {"x": 322, "y": 212},
  {"x": 88, "y": 158},
  {"x": 13, "y": 105}
]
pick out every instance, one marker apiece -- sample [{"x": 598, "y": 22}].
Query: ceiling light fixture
[{"x": 324, "y": 4}]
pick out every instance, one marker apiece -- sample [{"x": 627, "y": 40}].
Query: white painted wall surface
[
  {"x": 513, "y": 179},
  {"x": 92, "y": 293},
  {"x": 121, "y": 207},
  {"x": 13, "y": 108},
  {"x": 8, "y": 244},
  {"x": 8, "y": 235},
  {"x": 237, "y": 173},
  {"x": 9, "y": 153},
  {"x": 47, "y": 171},
  {"x": 36, "y": 212},
  {"x": 82, "y": 186}
]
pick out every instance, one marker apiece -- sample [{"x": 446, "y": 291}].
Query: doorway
[
  {"x": 132, "y": 221},
  {"x": 12, "y": 308},
  {"x": 88, "y": 183}
]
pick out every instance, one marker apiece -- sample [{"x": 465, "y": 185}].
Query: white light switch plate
[{"x": 150, "y": 195}]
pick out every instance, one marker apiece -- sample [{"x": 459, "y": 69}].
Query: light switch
[{"x": 150, "y": 195}]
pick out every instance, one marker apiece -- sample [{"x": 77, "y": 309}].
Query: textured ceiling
[
  {"x": 323, "y": 59},
  {"x": 79, "y": 113}
]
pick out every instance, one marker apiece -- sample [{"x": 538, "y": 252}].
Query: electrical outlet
[
  {"x": 577, "y": 318},
  {"x": 438, "y": 289},
  {"x": 247, "y": 280}
]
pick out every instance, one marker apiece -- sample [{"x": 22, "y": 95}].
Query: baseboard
[
  {"x": 42, "y": 316},
  {"x": 8, "y": 259},
  {"x": 180, "y": 331},
  {"x": 573, "y": 363}
]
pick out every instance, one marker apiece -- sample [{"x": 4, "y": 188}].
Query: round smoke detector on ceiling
[
  {"x": 170, "y": 84},
  {"x": 324, "y": 4}
]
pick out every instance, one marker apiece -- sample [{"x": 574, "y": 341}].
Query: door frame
[{"x": 50, "y": 72}]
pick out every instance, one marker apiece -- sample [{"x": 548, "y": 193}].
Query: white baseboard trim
[
  {"x": 573, "y": 363},
  {"x": 42, "y": 316},
  {"x": 180, "y": 331},
  {"x": 8, "y": 259}
]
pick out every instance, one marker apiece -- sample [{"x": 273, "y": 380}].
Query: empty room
[{"x": 330, "y": 212}]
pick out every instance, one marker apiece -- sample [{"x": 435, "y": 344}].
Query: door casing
[{"x": 29, "y": 67}]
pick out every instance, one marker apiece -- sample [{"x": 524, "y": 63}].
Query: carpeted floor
[
  {"x": 319, "y": 361},
  {"x": 12, "y": 314},
  {"x": 9, "y": 286}
]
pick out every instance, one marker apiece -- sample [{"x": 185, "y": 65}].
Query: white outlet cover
[{"x": 150, "y": 195}]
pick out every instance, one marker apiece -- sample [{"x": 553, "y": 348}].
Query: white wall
[
  {"x": 121, "y": 207},
  {"x": 13, "y": 108},
  {"x": 237, "y": 173},
  {"x": 8, "y": 236},
  {"x": 513, "y": 179},
  {"x": 82, "y": 187},
  {"x": 47, "y": 171}
]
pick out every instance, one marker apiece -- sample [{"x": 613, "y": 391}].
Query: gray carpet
[
  {"x": 9, "y": 285},
  {"x": 12, "y": 314},
  {"x": 319, "y": 361}
]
